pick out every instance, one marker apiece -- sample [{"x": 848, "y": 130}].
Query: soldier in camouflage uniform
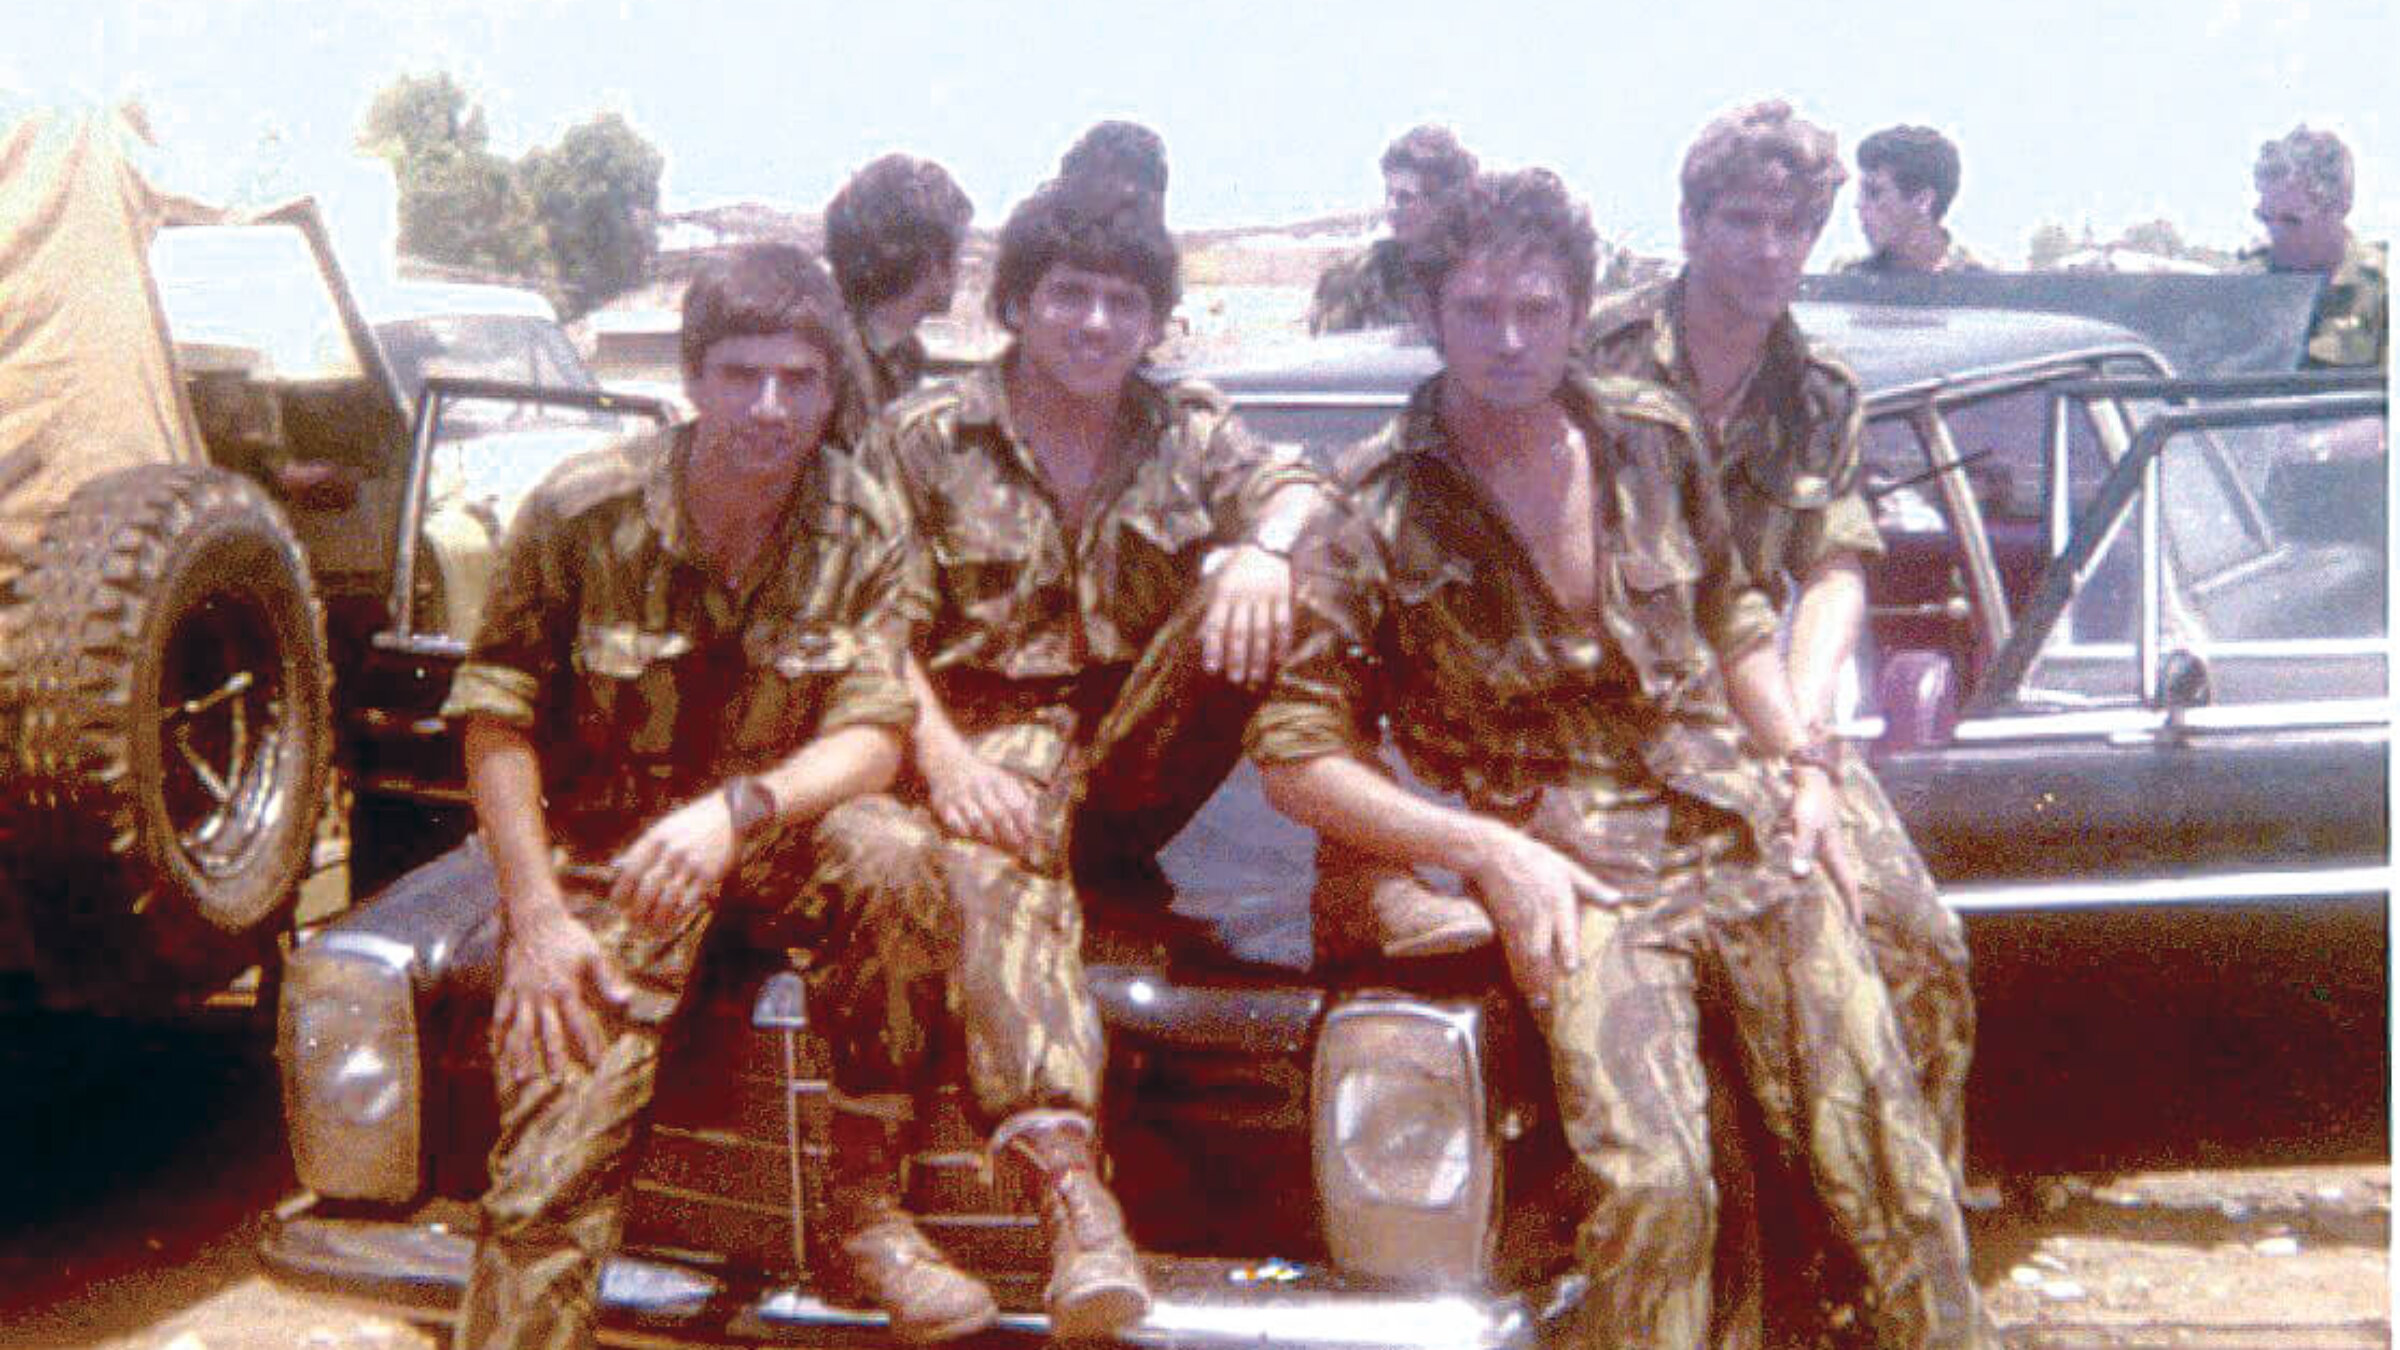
[
  {"x": 1070, "y": 512},
  {"x": 1907, "y": 178},
  {"x": 688, "y": 679},
  {"x": 1781, "y": 422},
  {"x": 1534, "y": 581},
  {"x": 1372, "y": 289},
  {"x": 892, "y": 235},
  {"x": 2305, "y": 184}
]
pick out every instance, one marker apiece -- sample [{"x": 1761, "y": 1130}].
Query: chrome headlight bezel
[
  {"x": 347, "y": 1044},
  {"x": 1406, "y": 1161}
]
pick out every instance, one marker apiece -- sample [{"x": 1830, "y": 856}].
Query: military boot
[
  {"x": 1096, "y": 1281},
  {"x": 881, "y": 1256}
]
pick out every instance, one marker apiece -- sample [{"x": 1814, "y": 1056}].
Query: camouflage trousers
[
  {"x": 1919, "y": 949},
  {"x": 560, "y": 1170},
  {"x": 1821, "y": 1058}
]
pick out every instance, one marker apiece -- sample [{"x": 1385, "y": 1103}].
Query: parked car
[{"x": 2126, "y": 677}]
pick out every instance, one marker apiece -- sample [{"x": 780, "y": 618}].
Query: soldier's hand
[
  {"x": 983, "y": 801},
  {"x": 1534, "y": 893},
  {"x": 1815, "y": 837},
  {"x": 554, "y": 982},
  {"x": 672, "y": 871},
  {"x": 1248, "y": 627}
]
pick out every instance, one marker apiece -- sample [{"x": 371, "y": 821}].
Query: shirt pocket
[
  {"x": 1157, "y": 563},
  {"x": 1473, "y": 645},
  {"x": 628, "y": 688},
  {"x": 792, "y": 669},
  {"x": 983, "y": 562},
  {"x": 1661, "y": 631}
]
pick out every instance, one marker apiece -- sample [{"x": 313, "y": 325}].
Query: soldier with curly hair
[
  {"x": 892, "y": 235},
  {"x": 2305, "y": 185}
]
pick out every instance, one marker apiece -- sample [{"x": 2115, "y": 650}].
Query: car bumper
[{"x": 420, "y": 1271}]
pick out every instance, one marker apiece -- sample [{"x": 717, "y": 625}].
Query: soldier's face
[
  {"x": 1888, "y": 215},
  {"x": 765, "y": 399},
  {"x": 1086, "y": 331},
  {"x": 1408, "y": 202},
  {"x": 2301, "y": 234},
  {"x": 1506, "y": 325},
  {"x": 1746, "y": 252}
]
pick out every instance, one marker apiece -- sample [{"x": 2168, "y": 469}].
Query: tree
[
  {"x": 2159, "y": 237},
  {"x": 2050, "y": 242},
  {"x": 596, "y": 197},
  {"x": 459, "y": 202}
]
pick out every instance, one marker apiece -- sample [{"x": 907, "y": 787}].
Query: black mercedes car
[{"x": 2126, "y": 676}]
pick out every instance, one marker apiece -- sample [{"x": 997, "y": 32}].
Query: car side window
[{"x": 2272, "y": 564}]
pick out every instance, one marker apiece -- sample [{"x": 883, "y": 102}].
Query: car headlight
[
  {"x": 1406, "y": 1166},
  {"x": 346, "y": 1036}
]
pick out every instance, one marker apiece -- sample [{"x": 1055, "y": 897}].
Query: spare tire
[{"x": 174, "y": 728}]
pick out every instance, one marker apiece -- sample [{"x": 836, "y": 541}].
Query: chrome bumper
[{"x": 420, "y": 1270}]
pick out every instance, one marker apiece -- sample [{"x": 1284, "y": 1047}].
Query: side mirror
[
  {"x": 1917, "y": 692},
  {"x": 2183, "y": 681}
]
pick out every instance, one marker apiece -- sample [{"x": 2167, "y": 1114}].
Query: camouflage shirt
[
  {"x": 1368, "y": 291},
  {"x": 2352, "y": 321},
  {"x": 1786, "y": 454},
  {"x": 1955, "y": 258},
  {"x": 641, "y": 676},
  {"x": 1418, "y": 605},
  {"x": 1004, "y": 595},
  {"x": 894, "y": 370}
]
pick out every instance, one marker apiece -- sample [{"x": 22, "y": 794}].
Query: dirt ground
[{"x": 141, "y": 1168}]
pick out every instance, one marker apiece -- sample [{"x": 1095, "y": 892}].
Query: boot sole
[
  {"x": 1099, "y": 1312},
  {"x": 911, "y": 1333}
]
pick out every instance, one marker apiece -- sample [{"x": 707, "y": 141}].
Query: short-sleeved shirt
[
  {"x": 641, "y": 676},
  {"x": 1368, "y": 291},
  {"x": 1419, "y": 607},
  {"x": 1955, "y": 258},
  {"x": 1786, "y": 453},
  {"x": 2351, "y": 323}
]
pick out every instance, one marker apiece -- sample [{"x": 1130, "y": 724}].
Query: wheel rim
[{"x": 224, "y": 725}]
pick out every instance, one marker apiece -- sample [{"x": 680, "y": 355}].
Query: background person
[
  {"x": 1907, "y": 178},
  {"x": 1372, "y": 289},
  {"x": 2305, "y": 184},
  {"x": 892, "y": 234}
]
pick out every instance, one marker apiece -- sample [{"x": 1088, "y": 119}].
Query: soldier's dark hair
[
  {"x": 2316, "y": 161},
  {"x": 769, "y": 290},
  {"x": 1122, "y": 152},
  {"x": 1527, "y": 211},
  {"x": 1765, "y": 146},
  {"x": 1433, "y": 154},
  {"x": 895, "y": 219},
  {"x": 1094, "y": 224},
  {"x": 1917, "y": 158}
]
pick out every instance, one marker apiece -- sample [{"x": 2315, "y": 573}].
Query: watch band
[
  {"x": 749, "y": 803},
  {"x": 1280, "y": 534}
]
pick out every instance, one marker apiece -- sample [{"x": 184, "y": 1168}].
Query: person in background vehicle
[
  {"x": 1105, "y": 556},
  {"x": 1907, "y": 178},
  {"x": 1371, "y": 290},
  {"x": 1781, "y": 422},
  {"x": 687, "y": 684},
  {"x": 1533, "y": 579},
  {"x": 2305, "y": 183},
  {"x": 892, "y": 234},
  {"x": 1127, "y": 153}
]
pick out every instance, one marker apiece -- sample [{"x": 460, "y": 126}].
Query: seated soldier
[
  {"x": 1105, "y": 559},
  {"x": 1533, "y": 579},
  {"x": 892, "y": 235},
  {"x": 686, "y": 682}
]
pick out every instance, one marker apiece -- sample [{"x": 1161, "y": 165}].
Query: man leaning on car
[
  {"x": 2305, "y": 183},
  {"x": 686, "y": 683},
  {"x": 1532, "y": 580}
]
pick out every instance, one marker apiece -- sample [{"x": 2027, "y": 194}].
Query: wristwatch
[
  {"x": 749, "y": 803},
  {"x": 1280, "y": 533},
  {"x": 1823, "y": 754}
]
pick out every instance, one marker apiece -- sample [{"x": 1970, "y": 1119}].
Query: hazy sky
[{"x": 2069, "y": 110}]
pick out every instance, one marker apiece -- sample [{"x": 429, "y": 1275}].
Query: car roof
[
  {"x": 1889, "y": 347},
  {"x": 398, "y": 301}
]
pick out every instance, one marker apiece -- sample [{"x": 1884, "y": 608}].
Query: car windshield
[
  {"x": 518, "y": 348},
  {"x": 257, "y": 290}
]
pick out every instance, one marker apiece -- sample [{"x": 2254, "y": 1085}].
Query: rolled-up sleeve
[
  {"x": 1327, "y": 697},
  {"x": 513, "y": 664},
  {"x": 1243, "y": 473},
  {"x": 1847, "y": 523}
]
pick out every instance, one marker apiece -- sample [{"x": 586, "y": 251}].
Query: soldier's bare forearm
[
  {"x": 934, "y": 736},
  {"x": 504, "y": 781},
  {"x": 832, "y": 769},
  {"x": 1825, "y": 627},
  {"x": 1347, "y": 801},
  {"x": 1762, "y": 700}
]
